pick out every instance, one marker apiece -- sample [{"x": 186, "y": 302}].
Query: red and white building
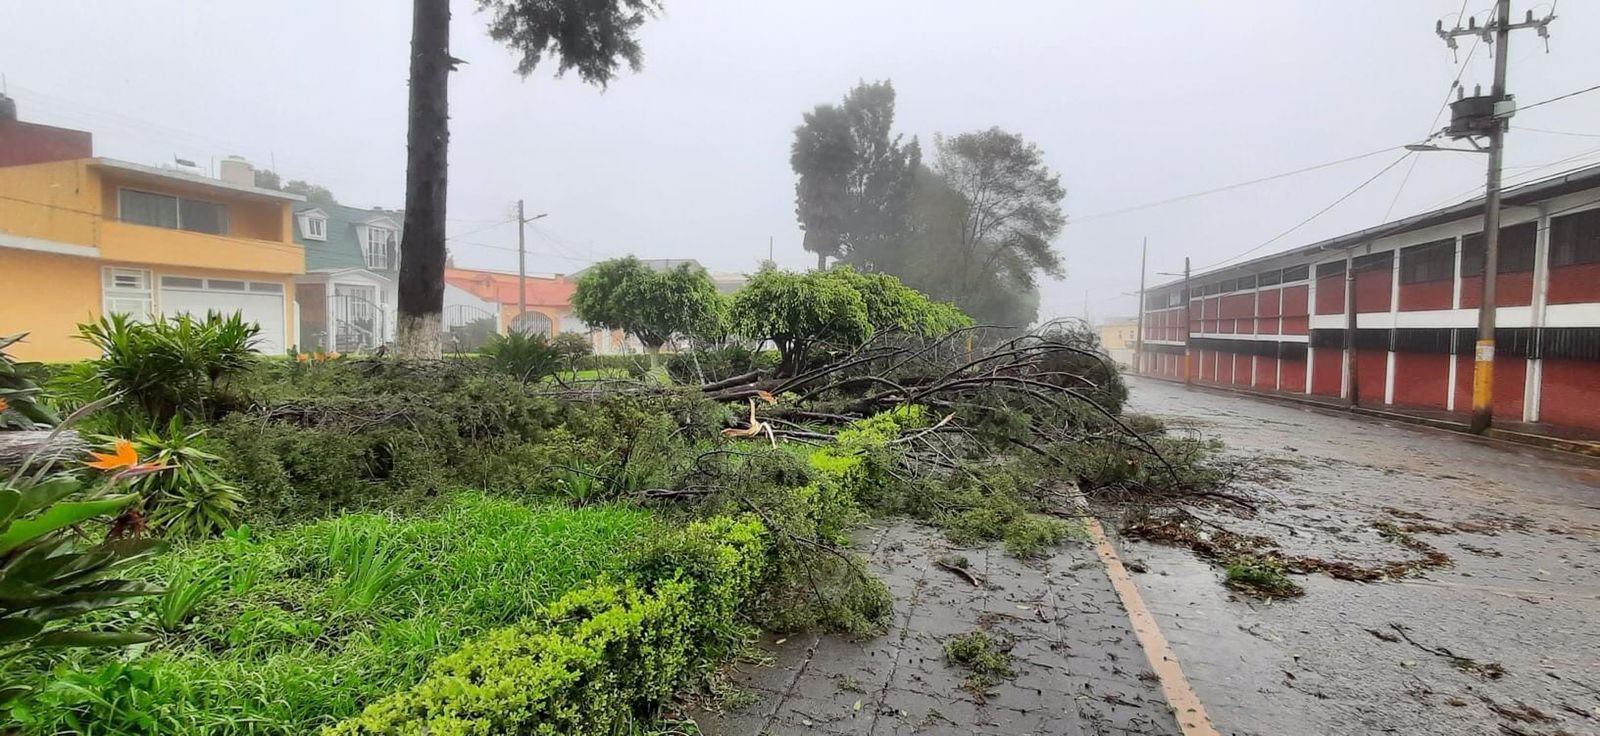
[{"x": 1411, "y": 290}]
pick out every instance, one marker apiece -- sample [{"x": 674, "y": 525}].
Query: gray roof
[
  {"x": 342, "y": 249},
  {"x": 1579, "y": 179}
]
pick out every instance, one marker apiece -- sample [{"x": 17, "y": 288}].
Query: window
[
  {"x": 377, "y": 247},
  {"x": 177, "y": 213},
  {"x": 127, "y": 291},
  {"x": 1575, "y": 239},
  {"x": 1298, "y": 273},
  {"x": 1270, "y": 278},
  {"x": 224, "y": 285},
  {"x": 316, "y": 228},
  {"x": 1434, "y": 261},
  {"x": 1516, "y": 250},
  {"x": 182, "y": 282},
  {"x": 1374, "y": 261},
  {"x": 1329, "y": 270}
]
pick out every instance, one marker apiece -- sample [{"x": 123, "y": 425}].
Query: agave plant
[
  {"x": 528, "y": 357},
  {"x": 173, "y": 367}
]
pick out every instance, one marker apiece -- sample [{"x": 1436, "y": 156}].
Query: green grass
[
  {"x": 1262, "y": 577},
  {"x": 589, "y": 374},
  {"x": 313, "y": 623},
  {"x": 988, "y": 658}
]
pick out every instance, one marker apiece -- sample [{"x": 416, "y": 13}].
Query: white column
[
  {"x": 1533, "y": 383},
  {"x": 1394, "y": 311}
]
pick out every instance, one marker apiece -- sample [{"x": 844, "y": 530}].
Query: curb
[{"x": 1527, "y": 439}]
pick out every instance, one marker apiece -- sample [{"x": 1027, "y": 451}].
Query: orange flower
[
  {"x": 333, "y": 355},
  {"x": 320, "y": 356},
  {"x": 302, "y": 357},
  {"x": 4, "y": 405},
  {"x": 122, "y": 456}
]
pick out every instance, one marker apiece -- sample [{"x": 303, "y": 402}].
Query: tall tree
[
  {"x": 854, "y": 178},
  {"x": 315, "y": 193},
  {"x": 1007, "y": 207},
  {"x": 593, "y": 37}
]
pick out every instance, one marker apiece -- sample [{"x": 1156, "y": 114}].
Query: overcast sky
[{"x": 1131, "y": 102}]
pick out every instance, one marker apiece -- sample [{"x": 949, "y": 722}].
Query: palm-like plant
[
  {"x": 190, "y": 499},
  {"x": 19, "y": 405},
  {"x": 172, "y": 367}
]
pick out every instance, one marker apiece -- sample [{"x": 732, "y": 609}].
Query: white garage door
[{"x": 260, "y": 302}]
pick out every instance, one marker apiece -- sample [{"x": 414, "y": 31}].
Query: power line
[
  {"x": 1526, "y": 129},
  {"x": 1558, "y": 98},
  {"x": 481, "y": 229},
  {"x": 1229, "y": 187},
  {"x": 1314, "y": 216}
]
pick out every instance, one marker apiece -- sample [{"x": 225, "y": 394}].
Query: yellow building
[
  {"x": 84, "y": 237},
  {"x": 1120, "y": 337}
]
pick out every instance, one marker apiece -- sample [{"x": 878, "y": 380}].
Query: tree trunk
[
  {"x": 17, "y": 446},
  {"x": 421, "y": 287}
]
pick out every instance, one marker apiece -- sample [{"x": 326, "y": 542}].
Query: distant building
[
  {"x": 1118, "y": 337},
  {"x": 84, "y": 237},
  {"x": 349, "y": 295},
  {"x": 1410, "y": 290}
]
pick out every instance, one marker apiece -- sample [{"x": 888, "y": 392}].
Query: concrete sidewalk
[{"x": 1079, "y": 668}]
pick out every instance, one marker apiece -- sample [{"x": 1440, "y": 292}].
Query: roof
[
  {"x": 1567, "y": 182},
  {"x": 342, "y": 249},
  {"x": 543, "y": 291},
  {"x": 155, "y": 172}
]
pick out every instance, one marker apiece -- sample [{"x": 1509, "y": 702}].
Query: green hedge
[{"x": 599, "y": 659}]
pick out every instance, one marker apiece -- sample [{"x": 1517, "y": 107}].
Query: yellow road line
[{"x": 1182, "y": 698}]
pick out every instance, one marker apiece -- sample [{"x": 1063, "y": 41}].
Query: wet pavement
[
  {"x": 1414, "y": 656},
  {"x": 1077, "y": 667}
]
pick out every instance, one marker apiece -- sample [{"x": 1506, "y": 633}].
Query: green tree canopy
[
  {"x": 654, "y": 306},
  {"x": 854, "y": 179},
  {"x": 840, "y": 306}
]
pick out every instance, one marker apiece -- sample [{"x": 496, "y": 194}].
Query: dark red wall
[
  {"x": 1327, "y": 370},
  {"x": 1294, "y": 376},
  {"x": 1510, "y": 290},
  {"x": 1421, "y": 380},
  {"x": 1330, "y": 295},
  {"x": 1372, "y": 289},
  {"x": 1569, "y": 391},
  {"x": 1426, "y": 295},
  {"x": 1372, "y": 369},
  {"x": 1574, "y": 284},
  {"x": 1267, "y": 373},
  {"x": 28, "y": 143}
]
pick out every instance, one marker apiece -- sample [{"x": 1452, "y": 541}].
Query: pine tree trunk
[{"x": 421, "y": 287}]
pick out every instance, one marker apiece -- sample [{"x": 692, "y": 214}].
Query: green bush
[
  {"x": 189, "y": 498},
  {"x": 176, "y": 367},
  {"x": 697, "y": 367},
  {"x": 526, "y": 357},
  {"x": 596, "y": 661},
  {"x": 311, "y": 624},
  {"x": 20, "y": 407}
]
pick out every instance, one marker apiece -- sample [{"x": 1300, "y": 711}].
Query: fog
[{"x": 689, "y": 158}]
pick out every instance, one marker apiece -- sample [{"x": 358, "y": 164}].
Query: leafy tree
[
  {"x": 654, "y": 306},
  {"x": 854, "y": 179},
  {"x": 593, "y": 37},
  {"x": 572, "y": 346},
  {"x": 1010, "y": 213},
  {"x": 796, "y": 311},
  {"x": 891, "y": 305}
]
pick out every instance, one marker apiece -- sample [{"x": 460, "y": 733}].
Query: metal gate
[
  {"x": 467, "y": 328},
  {"x": 532, "y": 323},
  {"x": 358, "y": 324}
]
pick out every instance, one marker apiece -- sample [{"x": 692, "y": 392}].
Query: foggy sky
[{"x": 1131, "y": 102}]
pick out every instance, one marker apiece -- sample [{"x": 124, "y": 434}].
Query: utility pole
[
  {"x": 522, "y": 257},
  {"x": 1086, "y": 319},
  {"x": 1188, "y": 317},
  {"x": 1138, "y": 335},
  {"x": 522, "y": 261},
  {"x": 769, "y": 249},
  {"x": 1489, "y": 116}
]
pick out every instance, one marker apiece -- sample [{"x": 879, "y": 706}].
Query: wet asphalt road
[{"x": 1523, "y": 591}]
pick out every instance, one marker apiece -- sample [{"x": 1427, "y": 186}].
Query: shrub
[
  {"x": 572, "y": 347},
  {"x": 595, "y": 661},
  {"x": 20, "y": 407},
  {"x": 189, "y": 499},
  {"x": 697, "y": 367},
  {"x": 176, "y": 367},
  {"x": 309, "y": 626},
  {"x": 52, "y": 576},
  {"x": 526, "y": 357}
]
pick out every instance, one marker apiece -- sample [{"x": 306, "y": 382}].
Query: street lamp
[{"x": 1424, "y": 147}]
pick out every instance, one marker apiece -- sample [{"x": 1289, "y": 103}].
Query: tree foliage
[
  {"x": 854, "y": 178},
  {"x": 840, "y": 307},
  {"x": 654, "y": 306},
  {"x": 314, "y": 193},
  {"x": 976, "y": 228},
  {"x": 593, "y": 37}
]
